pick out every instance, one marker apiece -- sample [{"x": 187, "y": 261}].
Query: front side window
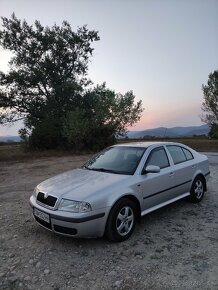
[
  {"x": 177, "y": 154},
  {"x": 158, "y": 157},
  {"x": 118, "y": 159}
]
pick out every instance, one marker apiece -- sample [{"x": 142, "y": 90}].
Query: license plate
[{"x": 41, "y": 215}]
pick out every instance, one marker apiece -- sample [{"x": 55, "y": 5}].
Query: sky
[{"x": 163, "y": 50}]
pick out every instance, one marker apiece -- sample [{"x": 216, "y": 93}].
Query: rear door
[
  {"x": 157, "y": 187},
  {"x": 184, "y": 168}
]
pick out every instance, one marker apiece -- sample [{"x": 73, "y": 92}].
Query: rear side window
[
  {"x": 188, "y": 154},
  {"x": 158, "y": 157},
  {"x": 179, "y": 154}
]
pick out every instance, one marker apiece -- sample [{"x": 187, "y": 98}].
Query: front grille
[
  {"x": 49, "y": 200},
  {"x": 43, "y": 223},
  {"x": 65, "y": 230}
]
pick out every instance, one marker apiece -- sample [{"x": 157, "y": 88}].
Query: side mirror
[{"x": 151, "y": 169}]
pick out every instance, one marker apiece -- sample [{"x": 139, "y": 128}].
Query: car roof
[{"x": 146, "y": 144}]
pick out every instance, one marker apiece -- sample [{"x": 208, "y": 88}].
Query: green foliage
[
  {"x": 76, "y": 129},
  {"x": 24, "y": 135},
  {"x": 210, "y": 104},
  {"x": 214, "y": 131},
  {"x": 47, "y": 87},
  {"x": 107, "y": 108},
  {"x": 103, "y": 114},
  {"x": 47, "y": 134},
  {"x": 47, "y": 71}
]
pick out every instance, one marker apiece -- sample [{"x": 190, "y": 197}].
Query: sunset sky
[{"x": 163, "y": 50}]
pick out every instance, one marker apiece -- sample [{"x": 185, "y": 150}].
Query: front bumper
[{"x": 90, "y": 224}]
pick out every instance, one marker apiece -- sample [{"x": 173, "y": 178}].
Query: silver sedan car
[{"x": 119, "y": 185}]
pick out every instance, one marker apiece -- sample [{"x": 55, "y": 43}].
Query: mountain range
[
  {"x": 9, "y": 139},
  {"x": 174, "y": 132}
]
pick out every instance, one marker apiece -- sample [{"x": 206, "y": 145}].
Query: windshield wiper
[
  {"x": 86, "y": 167},
  {"x": 101, "y": 169},
  {"x": 106, "y": 170},
  {"x": 96, "y": 169}
]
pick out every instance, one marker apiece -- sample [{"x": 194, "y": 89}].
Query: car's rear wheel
[
  {"x": 121, "y": 221},
  {"x": 197, "y": 190}
]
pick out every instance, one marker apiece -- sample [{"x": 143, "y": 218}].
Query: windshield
[{"x": 119, "y": 160}]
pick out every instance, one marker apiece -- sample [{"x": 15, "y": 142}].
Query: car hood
[{"x": 79, "y": 184}]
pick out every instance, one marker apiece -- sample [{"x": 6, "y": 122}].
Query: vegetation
[
  {"x": 16, "y": 152},
  {"x": 210, "y": 104},
  {"x": 47, "y": 87}
]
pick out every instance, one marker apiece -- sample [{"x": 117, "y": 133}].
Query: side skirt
[{"x": 164, "y": 203}]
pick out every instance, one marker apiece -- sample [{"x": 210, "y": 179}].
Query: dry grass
[
  {"x": 199, "y": 144},
  {"x": 16, "y": 152}
]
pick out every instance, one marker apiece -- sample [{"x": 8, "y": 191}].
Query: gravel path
[{"x": 173, "y": 248}]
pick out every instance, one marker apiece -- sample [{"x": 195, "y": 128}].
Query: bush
[
  {"x": 47, "y": 134},
  {"x": 214, "y": 131}
]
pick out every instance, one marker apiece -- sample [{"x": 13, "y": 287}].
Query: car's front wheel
[
  {"x": 197, "y": 190},
  {"x": 121, "y": 221}
]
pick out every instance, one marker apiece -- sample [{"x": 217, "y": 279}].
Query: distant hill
[
  {"x": 9, "y": 139},
  {"x": 174, "y": 132}
]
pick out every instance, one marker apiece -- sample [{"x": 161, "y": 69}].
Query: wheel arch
[
  {"x": 129, "y": 197},
  {"x": 132, "y": 198},
  {"x": 200, "y": 174}
]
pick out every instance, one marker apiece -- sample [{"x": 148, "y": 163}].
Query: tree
[
  {"x": 213, "y": 131},
  {"x": 210, "y": 104},
  {"x": 47, "y": 87},
  {"x": 48, "y": 69},
  {"x": 103, "y": 115}
]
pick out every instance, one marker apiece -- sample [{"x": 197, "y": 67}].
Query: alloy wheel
[
  {"x": 198, "y": 189},
  {"x": 125, "y": 220}
]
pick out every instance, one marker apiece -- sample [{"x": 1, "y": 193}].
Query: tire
[
  {"x": 197, "y": 189},
  {"x": 121, "y": 221}
]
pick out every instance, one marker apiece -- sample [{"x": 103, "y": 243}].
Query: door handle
[
  {"x": 172, "y": 174},
  {"x": 193, "y": 166}
]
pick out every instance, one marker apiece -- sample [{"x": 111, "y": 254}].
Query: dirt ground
[{"x": 173, "y": 248}]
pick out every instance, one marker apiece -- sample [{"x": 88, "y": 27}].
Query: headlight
[
  {"x": 35, "y": 191},
  {"x": 74, "y": 206}
]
